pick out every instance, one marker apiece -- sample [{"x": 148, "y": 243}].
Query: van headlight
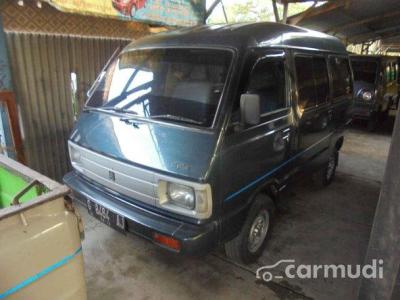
[
  {"x": 181, "y": 195},
  {"x": 75, "y": 157},
  {"x": 185, "y": 198},
  {"x": 366, "y": 96},
  {"x": 74, "y": 154}
]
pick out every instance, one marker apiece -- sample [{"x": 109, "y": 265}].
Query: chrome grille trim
[{"x": 131, "y": 181}]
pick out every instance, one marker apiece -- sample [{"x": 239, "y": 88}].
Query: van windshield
[
  {"x": 364, "y": 70},
  {"x": 173, "y": 85}
]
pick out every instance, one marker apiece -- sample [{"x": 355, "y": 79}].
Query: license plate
[{"x": 106, "y": 216}]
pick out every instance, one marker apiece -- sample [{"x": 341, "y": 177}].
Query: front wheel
[{"x": 250, "y": 243}]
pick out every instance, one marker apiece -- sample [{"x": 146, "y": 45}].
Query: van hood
[{"x": 175, "y": 150}]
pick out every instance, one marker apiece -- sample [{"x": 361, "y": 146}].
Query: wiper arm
[
  {"x": 118, "y": 110},
  {"x": 176, "y": 118}
]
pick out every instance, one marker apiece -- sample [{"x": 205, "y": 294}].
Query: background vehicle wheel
[
  {"x": 328, "y": 172},
  {"x": 133, "y": 11},
  {"x": 250, "y": 243}
]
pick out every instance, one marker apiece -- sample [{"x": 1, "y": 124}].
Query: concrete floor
[{"x": 313, "y": 225}]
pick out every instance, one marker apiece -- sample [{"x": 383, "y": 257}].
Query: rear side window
[
  {"x": 341, "y": 76},
  {"x": 312, "y": 81},
  {"x": 267, "y": 80}
]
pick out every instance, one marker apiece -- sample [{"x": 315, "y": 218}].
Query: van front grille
[{"x": 118, "y": 176}]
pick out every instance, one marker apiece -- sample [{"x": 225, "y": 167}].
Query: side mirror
[{"x": 250, "y": 109}]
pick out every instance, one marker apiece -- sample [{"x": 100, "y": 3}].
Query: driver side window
[{"x": 267, "y": 79}]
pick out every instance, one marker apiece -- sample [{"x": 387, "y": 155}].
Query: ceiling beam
[
  {"x": 391, "y": 45},
  {"x": 316, "y": 11},
  {"x": 299, "y": 1},
  {"x": 362, "y": 22},
  {"x": 376, "y": 35},
  {"x": 392, "y": 40},
  {"x": 392, "y": 50}
]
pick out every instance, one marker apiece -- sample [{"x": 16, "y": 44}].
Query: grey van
[
  {"x": 376, "y": 87},
  {"x": 188, "y": 137}
]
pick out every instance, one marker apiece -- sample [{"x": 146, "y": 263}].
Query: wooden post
[
  {"x": 5, "y": 73},
  {"x": 210, "y": 10},
  {"x": 276, "y": 12},
  {"x": 384, "y": 241},
  {"x": 285, "y": 12},
  {"x": 7, "y": 100},
  {"x": 223, "y": 10},
  {"x": 10, "y": 131}
]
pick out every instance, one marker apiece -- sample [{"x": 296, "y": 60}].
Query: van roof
[{"x": 243, "y": 35}]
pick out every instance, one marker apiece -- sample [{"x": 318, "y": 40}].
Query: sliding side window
[
  {"x": 312, "y": 81},
  {"x": 267, "y": 80}
]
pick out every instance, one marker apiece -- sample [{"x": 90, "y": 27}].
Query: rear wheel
[
  {"x": 250, "y": 243},
  {"x": 326, "y": 175}
]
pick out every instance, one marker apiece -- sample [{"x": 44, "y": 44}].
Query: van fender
[
  {"x": 236, "y": 218},
  {"x": 271, "y": 188}
]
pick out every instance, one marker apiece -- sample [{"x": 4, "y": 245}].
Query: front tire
[{"x": 248, "y": 246}]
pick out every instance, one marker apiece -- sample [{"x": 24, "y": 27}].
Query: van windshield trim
[{"x": 369, "y": 61}]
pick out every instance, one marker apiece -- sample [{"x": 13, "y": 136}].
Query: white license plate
[{"x": 106, "y": 216}]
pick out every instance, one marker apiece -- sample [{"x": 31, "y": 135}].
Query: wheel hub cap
[{"x": 258, "y": 231}]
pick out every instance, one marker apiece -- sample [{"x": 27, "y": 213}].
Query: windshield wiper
[
  {"x": 176, "y": 118},
  {"x": 118, "y": 110}
]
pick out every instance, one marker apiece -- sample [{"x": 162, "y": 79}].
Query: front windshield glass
[
  {"x": 173, "y": 85},
  {"x": 364, "y": 70}
]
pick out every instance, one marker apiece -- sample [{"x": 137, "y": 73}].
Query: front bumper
[
  {"x": 194, "y": 239},
  {"x": 363, "y": 111}
]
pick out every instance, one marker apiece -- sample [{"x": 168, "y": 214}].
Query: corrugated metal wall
[{"x": 41, "y": 69}]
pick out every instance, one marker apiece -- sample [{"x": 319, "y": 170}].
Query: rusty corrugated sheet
[{"x": 41, "y": 68}]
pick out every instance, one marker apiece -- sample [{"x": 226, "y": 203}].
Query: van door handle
[{"x": 280, "y": 140}]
